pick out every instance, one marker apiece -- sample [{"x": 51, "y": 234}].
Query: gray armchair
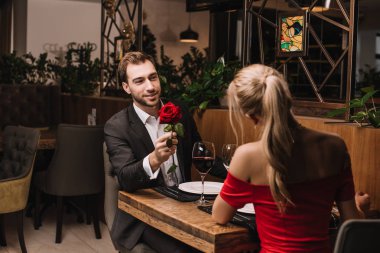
[
  {"x": 358, "y": 236},
  {"x": 16, "y": 167},
  {"x": 76, "y": 169},
  {"x": 110, "y": 201}
]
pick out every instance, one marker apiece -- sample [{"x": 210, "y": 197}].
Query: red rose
[{"x": 170, "y": 114}]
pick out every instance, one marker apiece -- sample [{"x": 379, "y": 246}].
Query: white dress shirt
[{"x": 155, "y": 129}]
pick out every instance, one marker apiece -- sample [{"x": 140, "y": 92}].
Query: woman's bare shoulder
[
  {"x": 247, "y": 159},
  {"x": 333, "y": 140}
]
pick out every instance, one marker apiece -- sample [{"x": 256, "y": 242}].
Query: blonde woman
[{"x": 292, "y": 175}]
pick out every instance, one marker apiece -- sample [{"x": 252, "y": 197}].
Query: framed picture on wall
[
  {"x": 292, "y": 34},
  {"x": 119, "y": 48}
]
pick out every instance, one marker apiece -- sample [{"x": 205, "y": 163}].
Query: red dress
[{"x": 303, "y": 227}]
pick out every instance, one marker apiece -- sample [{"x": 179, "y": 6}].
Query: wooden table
[
  {"x": 185, "y": 222},
  {"x": 47, "y": 139}
]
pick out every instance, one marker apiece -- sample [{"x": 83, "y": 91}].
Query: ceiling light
[{"x": 189, "y": 36}]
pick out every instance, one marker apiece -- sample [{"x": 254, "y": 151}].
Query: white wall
[
  {"x": 52, "y": 24},
  {"x": 366, "y": 48},
  {"x": 168, "y": 18}
]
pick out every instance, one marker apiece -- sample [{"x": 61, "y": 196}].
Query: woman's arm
[
  {"x": 241, "y": 165},
  {"x": 222, "y": 212},
  {"x": 348, "y": 210}
]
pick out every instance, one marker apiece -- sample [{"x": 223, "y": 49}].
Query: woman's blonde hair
[{"x": 261, "y": 91}]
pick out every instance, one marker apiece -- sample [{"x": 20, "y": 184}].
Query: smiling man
[{"x": 136, "y": 144}]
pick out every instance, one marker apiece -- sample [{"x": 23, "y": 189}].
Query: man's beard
[{"x": 143, "y": 102}]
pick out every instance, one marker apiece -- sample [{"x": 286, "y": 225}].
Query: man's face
[{"x": 144, "y": 85}]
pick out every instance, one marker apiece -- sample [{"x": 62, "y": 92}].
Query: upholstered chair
[
  {"x": 76, "y": 169},
  {"x": 358, "y": 236},
  {"x": 111, "y": 189},
  {"x": 16, "y": 167}
]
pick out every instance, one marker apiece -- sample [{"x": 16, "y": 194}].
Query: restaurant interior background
[{"x": 49, "y": 25}]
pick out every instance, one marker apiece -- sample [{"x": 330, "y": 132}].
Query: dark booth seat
[{"x": 30, "y": 105}]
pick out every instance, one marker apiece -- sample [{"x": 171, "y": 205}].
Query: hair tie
[{"x": 263, "y": 80}]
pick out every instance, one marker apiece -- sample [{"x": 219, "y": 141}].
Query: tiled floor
[{"x": 76, "y": 237}]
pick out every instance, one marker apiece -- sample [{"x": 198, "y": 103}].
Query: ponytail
[
  {"x": 262, "y": 91},
  {"x": 277, "y": 138}
]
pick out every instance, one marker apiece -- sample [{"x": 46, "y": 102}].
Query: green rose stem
[
  {"x": 173, "y": 167},
  {"x": 173, "y": 172}
]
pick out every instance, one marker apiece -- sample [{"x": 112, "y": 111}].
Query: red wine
[{"x": 203, "y": 164}]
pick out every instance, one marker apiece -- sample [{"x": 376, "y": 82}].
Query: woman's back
[
  {"x": 316, "y": 155},
  {"x": 292, "y": 175},
  {"x": 319, "y": 174}
]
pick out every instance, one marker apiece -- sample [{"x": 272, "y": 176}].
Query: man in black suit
[{"x": 139, "y": 154}]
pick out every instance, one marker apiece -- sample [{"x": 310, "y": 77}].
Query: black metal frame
[
  {"x": 110, "y": 24},
  {"x": 346, "y": 60}
]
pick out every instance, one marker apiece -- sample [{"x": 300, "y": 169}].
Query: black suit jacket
[{"x": 128, "y": 143}]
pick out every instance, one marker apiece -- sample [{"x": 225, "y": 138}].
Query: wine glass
[
  {"x": 228, "y": 151},
  {"x": 203, "y": 158}
]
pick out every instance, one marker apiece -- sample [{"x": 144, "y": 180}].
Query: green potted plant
[
  {"x": 13, "y": 69},
  {"x": 80, "y": 74},
  {"x": 170, "y": 78},
  {"x": 197, "y": 82},
  {"x": 211, "y": 84},
  {"x": 365, "y": 114},
  {"x": 26, "y": 69},
  {"x": 40, "y": 70}
]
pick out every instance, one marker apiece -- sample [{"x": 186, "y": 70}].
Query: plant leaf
[
  {"x": 359, "y": 116},
  {"x": 163, "y": 79},
  {"x": 172, "y": 168},
  {"x": 168, "y": 128},
  {"x": 221, "y": 60},
  {"x": 179, "y": 129},
  {"x": 367, "y": 89},
  {"x": 203, "y": 105},
  {"x": 374, "y": 118},
  {"x": 336, "y": 112},
  {"x": 355, "y": 103},
  {"x": 367, "y": 96}
]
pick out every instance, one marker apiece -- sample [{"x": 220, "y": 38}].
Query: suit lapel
[
  {"x": 141, "y": 135},
  {"x": 138, "y": 128}
]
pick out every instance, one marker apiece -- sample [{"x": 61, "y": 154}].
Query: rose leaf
[
  {"x": 179, "y": 129},
  {"x": 172, "y": 168}
]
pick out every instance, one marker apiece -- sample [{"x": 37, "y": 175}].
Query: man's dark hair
[{"x": 131, "y": 58}]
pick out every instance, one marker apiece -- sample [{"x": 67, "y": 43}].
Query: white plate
[
  {"x": 211, "y": 188},
  {"x": 248, "y": 208}
]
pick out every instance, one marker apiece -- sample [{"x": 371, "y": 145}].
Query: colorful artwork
[{"x": 292, "y": 35}]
